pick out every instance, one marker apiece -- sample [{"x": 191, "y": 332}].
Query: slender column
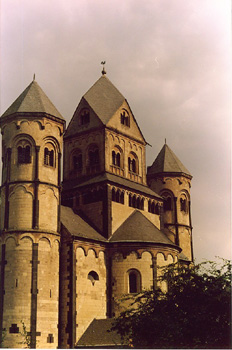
[
  {"x": 109, "y": 286},
  {"x": 72, "y": 303},
  {"x": 35, "y": 223},
  {"x": 176, "y": 222},
  {"x": 6, "y": 218},
  {"x": 154, "y": 272},
  {"x": 190, "y": 224},
  {"x": 59, "y": 185},
  {"x": 34, "y": 292},
  {"x": 107, "y": 212},
  {"x": 2, "y": 281}
]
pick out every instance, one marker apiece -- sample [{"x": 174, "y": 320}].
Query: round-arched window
[
  {"x": 134, "y": 281},
  {"x": 93, "y": 277}
]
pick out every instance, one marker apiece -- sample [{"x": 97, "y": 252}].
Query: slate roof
[
  {"x": 167, "y": 162},
  {"x": 117, "y": 180},
  {"x": 77, "y": 226},
  {"x": 104, "y": 98},
  {"x": 33, "y": 100},
  {"x": 137, "y": 228},
  {"x": 97, "y": 335}
]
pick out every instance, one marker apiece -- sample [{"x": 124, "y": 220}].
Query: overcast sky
[{"x": 171, "y": 61}]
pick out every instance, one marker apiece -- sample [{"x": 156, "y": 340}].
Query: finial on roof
[
  {"x": 34, "y": 77},
  {"x": 165, "y": 141},
  {"x": 103, "y": 69}
]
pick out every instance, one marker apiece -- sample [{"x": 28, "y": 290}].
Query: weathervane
[{"x": 103, "y": 68}]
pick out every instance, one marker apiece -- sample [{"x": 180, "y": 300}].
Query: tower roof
[
  {"x": 32, "y": 100},
  {"x": 167, "y": 162},
  {"x": 130, "y": 231},
  {"x": 104, "y": 98}
]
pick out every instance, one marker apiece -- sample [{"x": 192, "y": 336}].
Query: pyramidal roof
[
  {"x": 104, "y": 98},
  {"x": 137, "y": 228},
  {"x": 33, "y": 100},
  {"x": 167, "y": 162}
]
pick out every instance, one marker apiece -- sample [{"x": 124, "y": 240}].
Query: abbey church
[{"x": 83, "y": 221}]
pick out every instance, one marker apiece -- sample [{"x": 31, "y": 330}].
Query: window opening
[
  {"x": 132, "y": 165},
  {"x": 183, "y": 204},
  {"x": 85, "y": 117},
  {"x": 167, "y": 204},
  {"x": 125, "y": 120},
  {"x": 48, "y": 157},
  {"x": 77, "y": 162},
  {"x": 50, "y": 338},
  {"x": 93, "y": 277},
  {"x": 134, "y": 282},
  {"x": 24, "y": 155}
]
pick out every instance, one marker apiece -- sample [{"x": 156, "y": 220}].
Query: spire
[
  {"x": 167, "y": 162},
  {"x": 33, "y": 100}
]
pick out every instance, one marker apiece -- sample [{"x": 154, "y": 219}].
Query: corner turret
[{"x": 171, "y": 179}]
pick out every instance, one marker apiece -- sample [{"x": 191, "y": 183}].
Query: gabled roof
[
  {"x": 167, "y": 162},
  {"x": 117, "y": 180},
  {"x": 77, "y": 226},
  {"x": 137, "y": 228},
  {"x": 98, "y": 334},
  {"x": 104, "y": 98},
  {"x": 33, "y": 100}
]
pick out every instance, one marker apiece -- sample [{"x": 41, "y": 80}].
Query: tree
[{"x": 194, "y": 312}]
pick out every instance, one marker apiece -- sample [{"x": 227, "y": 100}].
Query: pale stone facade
[{"x": 61, "y": 266}]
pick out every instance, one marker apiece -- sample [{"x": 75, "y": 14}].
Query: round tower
[
  {"x": 32, "y": 130},
  {"x": 169, "y": 178}
]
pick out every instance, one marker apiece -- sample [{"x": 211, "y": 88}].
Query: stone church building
[{"x": 70, "y": 249}]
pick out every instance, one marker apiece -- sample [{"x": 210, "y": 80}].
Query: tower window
[
  {"x": 24, "y": 155},
  {"x": 134, "y": 281},
  {"x": 48, "y": 157},
  {"x": 117, "y": 196},
  {"x": 93, "y": 277},
  {"x": 133, "y": 164},
  {"x": 183, "y": 204},
  {"x": 93, "y": 157},
  {"x": 84, "y": 117},
  {"x": 125, "y": 119},
  {"x": 77, "y": 162},
  {"x": 50, "y": 338},
  {"x": 167, "y": 204}
]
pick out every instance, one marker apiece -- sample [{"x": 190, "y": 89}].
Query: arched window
[
  {"x": 167, "y": 204},
  {"x": 77, "y": 162},
  {"x": 183, "y": 204},
  {"x": 84, "y": 117},
  {"x": 113, "y": 195},
  {"x": 49, "y": 157},
  {"x": 125, "y": 119},
  {"x": 134, "y": 281},
  {"x": 116, "y": 157},
  {"x": 133, "y": 164},
  {"x": 93, "y": 156},
  {"x": 157, "y": 209},
  {"x": 24, "y": 154},
  {"x": 93, "y": 277}
]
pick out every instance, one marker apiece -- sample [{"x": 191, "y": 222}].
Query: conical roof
[
  {"x": 104, "y": 98},
  {"x": 32, "y": 100},
  {"x": 167, "y": 162}
]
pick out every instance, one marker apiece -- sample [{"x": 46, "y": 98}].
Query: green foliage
[
  {"x": 26, "y": 338},
  {"x": 3, "y": 336},
  {"x": 195, "y": 312}
]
